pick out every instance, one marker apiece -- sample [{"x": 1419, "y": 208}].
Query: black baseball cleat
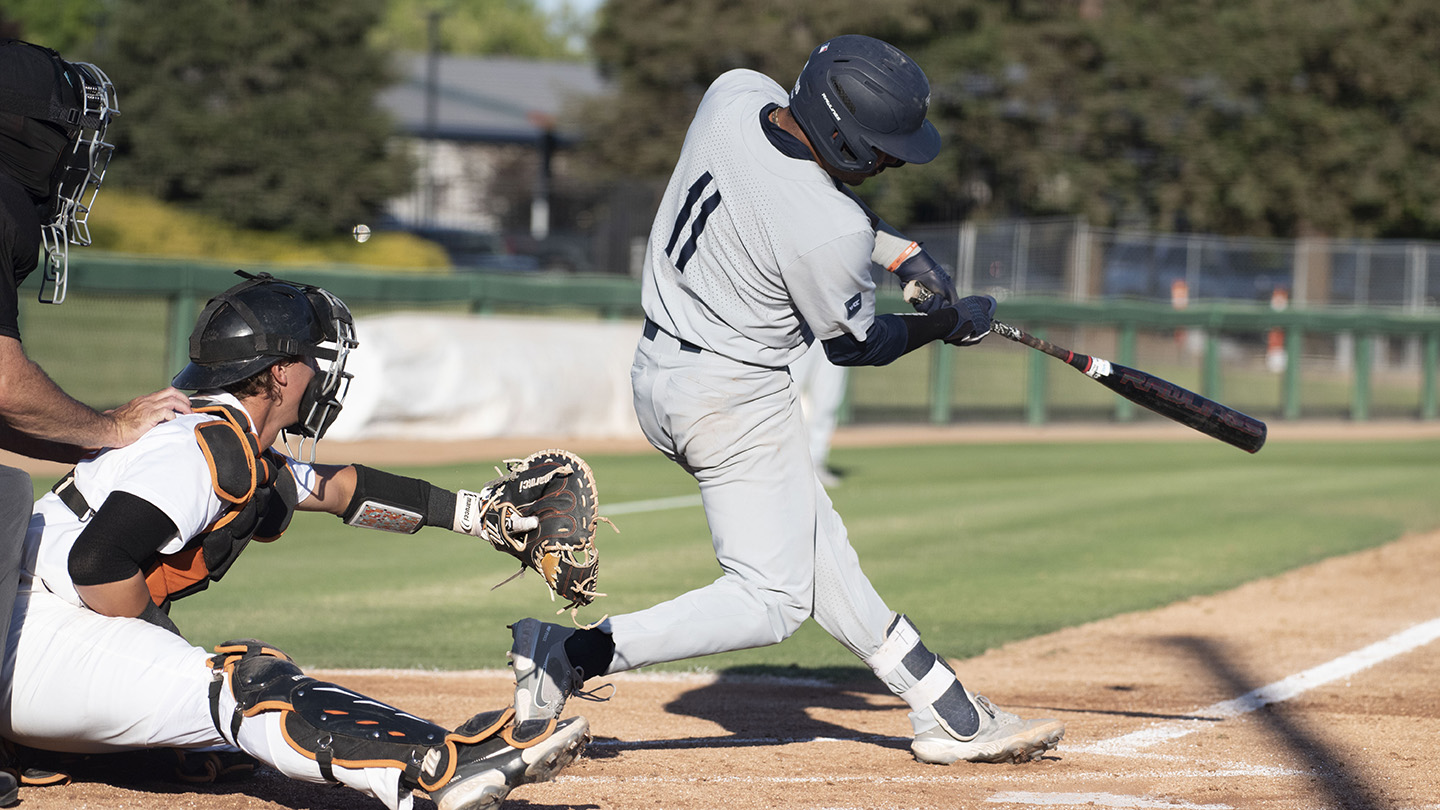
[{"x": 487, "y": 771}]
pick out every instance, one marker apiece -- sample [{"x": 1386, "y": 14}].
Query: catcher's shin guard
[
  {"x": 313, "y": 730},
  {"x": 924, "y": 681}
]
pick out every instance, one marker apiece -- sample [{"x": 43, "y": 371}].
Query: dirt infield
[
  {"x": 1162, "y": 710},
  {"x": 1316, "y": 689}
]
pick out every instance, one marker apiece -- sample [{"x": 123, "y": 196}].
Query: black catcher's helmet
[
  {"x": 856, "y": 95},
  {"x": 262, "y": 321}
]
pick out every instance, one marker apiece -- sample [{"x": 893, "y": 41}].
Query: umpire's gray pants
[
  {"x": 17, "y": 500},
  {"x": 784, "y": 551}
]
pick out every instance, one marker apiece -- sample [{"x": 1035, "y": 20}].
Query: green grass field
[{"x": 980, "y": 545}]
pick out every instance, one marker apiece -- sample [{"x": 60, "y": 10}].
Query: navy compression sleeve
[{"x": 891, "y": 337}]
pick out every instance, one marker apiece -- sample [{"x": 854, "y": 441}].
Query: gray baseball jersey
[{"x": 758, "y": 244}]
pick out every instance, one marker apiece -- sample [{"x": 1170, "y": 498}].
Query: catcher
[{"x": 98, "y": 664}]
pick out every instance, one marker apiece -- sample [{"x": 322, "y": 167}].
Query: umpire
[{"x": 53, "y": 117}]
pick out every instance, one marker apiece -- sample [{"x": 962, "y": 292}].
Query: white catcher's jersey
[
  {"x": 749, "y": 246},
  {"x": 164, "y": 467}
]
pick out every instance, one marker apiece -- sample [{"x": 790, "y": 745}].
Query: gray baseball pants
[
  {"x": 17, "y": 500},
  {"x": 783, "y": 550}
]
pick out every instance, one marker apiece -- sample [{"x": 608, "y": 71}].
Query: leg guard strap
[
  {"x": 264, "y": 666},
  {"x": 332, "y": 725},
  {"x": 902, "y": 643},
  {"x": 924, "y": 681}
]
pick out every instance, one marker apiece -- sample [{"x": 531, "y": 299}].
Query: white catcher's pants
[
  {"x": 783, "y": 549},
  {"x": 87, "y": 683}
]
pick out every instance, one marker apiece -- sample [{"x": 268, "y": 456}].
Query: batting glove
[
  {"x": 976, "y": 313},
  {"x": 930, "y": 274}
]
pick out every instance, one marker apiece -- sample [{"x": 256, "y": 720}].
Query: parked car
[
  {"x": 479, "y": 251},
  {"x": 1148, "y": 269}
]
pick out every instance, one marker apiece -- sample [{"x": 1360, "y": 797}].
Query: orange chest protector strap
[{"x": 257, "y": 487}]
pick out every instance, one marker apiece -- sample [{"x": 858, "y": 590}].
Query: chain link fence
[{"x": 1068, "y": 259}]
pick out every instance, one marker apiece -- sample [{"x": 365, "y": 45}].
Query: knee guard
[
  {"x": 924, "y": 681},
  {"x": 337, "y": 727}
]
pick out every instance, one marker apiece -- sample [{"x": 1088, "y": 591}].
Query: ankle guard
[
  {"x": 336, "y": 727},
  {"x": 924, "y": 681}
]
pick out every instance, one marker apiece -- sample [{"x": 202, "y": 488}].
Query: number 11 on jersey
[{"x": 710, "y": 203}]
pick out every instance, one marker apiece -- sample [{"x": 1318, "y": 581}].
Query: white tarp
[{"x": 444, "y": 376}]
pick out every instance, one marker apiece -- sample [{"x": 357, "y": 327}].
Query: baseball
[{"x": 361, "y": 232}]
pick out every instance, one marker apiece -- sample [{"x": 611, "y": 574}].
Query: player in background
[
  {"x": 53, "y": 156},
  {"x": 758, "y": 248},
  {"x": 98, "y": 664},
  {"x": 821, "y": 385}
]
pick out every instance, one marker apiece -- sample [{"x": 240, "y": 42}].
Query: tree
[
  {"x": 69, "y": 27},
  {"x": 1241, "y": 117},
  {"x": 259, "y": 111},
  {"x": 482, "y": 28},
  {"x": 662, "y": 56},
  {"x": 1264, "y": 117}
]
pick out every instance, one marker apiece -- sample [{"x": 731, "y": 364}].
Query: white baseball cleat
[
  {"x": 489, "y": 770},
  {"x": 1001, "y": 737}
]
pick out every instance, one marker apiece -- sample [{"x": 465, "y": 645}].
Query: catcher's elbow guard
[{"x": 394, "y": 503}]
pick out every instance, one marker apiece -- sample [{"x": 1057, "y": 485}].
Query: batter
[{"x": 757, "y": 250}]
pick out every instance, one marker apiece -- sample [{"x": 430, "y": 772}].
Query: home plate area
[{"x": 1319, "y": 688}]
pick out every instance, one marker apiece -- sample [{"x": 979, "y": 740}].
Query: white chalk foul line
[
  {"x": 1093, "y": 800},
  {"x": 985, "y": 777},
  {"x": 1281, "y": 690},
  {"x": 652, "y": 505}
]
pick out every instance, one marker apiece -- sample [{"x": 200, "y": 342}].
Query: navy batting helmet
[{"x": 858, "y": 95}]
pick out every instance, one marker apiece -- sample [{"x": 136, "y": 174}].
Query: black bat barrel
[{"x": 1186, "y": 407}]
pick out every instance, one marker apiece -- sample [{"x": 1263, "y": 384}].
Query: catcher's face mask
[
  {"x": 78, "y": 176},
  {"x": 325, "y": 395}
]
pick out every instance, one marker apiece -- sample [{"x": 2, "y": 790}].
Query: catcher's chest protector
[{"x": 261, "y": 495}]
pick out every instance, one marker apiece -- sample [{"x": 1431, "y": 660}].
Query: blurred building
[{"x": 489, "y": 137}]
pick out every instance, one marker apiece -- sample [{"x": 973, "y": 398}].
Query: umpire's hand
[{"x": 132, "y": 419}]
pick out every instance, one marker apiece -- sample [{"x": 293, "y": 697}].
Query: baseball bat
[
  {"x": 1152, "y": 393},
  {"x": 1144, "y": 389}
]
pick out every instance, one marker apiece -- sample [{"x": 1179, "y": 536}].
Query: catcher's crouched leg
[{"x": 316, "y": 732}]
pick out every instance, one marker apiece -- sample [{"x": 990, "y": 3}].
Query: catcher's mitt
[{"x": 555, "y": 490}]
